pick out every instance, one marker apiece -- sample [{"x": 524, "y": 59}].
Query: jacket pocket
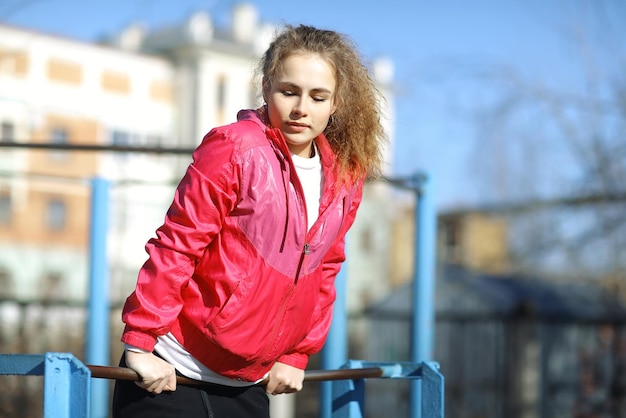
[{"x": 228, "y": 311}]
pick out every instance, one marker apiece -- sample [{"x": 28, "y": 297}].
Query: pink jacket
[{"x": 233, "y": 272}]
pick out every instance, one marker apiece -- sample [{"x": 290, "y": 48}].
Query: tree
[{"x": 556, "y": 159}]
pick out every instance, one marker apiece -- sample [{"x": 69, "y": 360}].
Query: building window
[
  {"x": 13, "y": 62},
  {"x": 154, "y": 140},
  {"x": 254, "y": 96},
  {"x": 56, "y": 216},
  {"x": 59, "y": 136},
  {"x": 221, "y": 92},
  {"x": 5, "y": 208},
  {"x": 115, "y": 82},
  {"x": 450, "y": 249},
  {"x": 6, "y": 284},
  {"x": 367, "y": 241},
  {"x": 7, "y": 132},
  {"x": 52, "y": 286},
  {"x": 120, "y": 138},
  {"x": 220, "y": 99},
  {"x": 161, "y": 92},
  {"x": 65, "y": 71}
]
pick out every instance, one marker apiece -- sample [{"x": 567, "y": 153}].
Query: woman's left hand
[{"x": 284, "y": 378}]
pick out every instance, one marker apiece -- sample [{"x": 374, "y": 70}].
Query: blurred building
[
  {"x": 473, "y": 239},
  {"x": 155, "y": 88},
  {"x": 510, "y": 343}
]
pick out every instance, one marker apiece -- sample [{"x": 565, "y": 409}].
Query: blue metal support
[
  {"x": 66, "y": 381},
  {"x": 423, "y": 313},
  {"x": 97, "y": 349},
  {"x": 423, "y": 289},
  {"x": 432, "y": 391},
  {"x": 335, "y": 351},
  {"x": 67, "y": 384},
  {"x": 349, "y": 395}
]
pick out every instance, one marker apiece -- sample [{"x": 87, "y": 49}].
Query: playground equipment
[
  {"x": 67, "y": 382},
  {"x": 70, "y": 392}
]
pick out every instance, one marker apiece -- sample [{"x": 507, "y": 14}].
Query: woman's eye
[
  {"x": 319, "y": 99},
  {"x": 288, "y": 93}
]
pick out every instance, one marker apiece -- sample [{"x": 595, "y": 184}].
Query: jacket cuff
[
  {"x": 139, "y": 340},
  {"x": 296, "y": 360}
]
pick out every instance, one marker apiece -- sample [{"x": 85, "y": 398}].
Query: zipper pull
[{"x": 307, "y": 251}]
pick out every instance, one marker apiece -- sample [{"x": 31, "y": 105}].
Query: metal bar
[
  {"x": 66, "y": 387},
  {"x": 432, "y": 391},
  {"x": 94, "y": 147},
  {"x": 22, "y": 364},
  {"x": 67, "y": 382},
  {"x": 335, "y": 351},
  {"x": 349, "y": 395},
  {"x": 423, "y": 320},
  {"x": 97, "y": 348},
  {"x": 407, "y": 183},
  {"x": 124, "y": 373}
]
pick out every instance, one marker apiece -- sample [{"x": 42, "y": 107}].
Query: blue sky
[{"x": 435, "y": 46}]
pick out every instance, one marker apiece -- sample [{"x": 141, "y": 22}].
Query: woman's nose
[{"x": 300, "y": 107}]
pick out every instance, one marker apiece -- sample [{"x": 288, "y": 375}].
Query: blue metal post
[
  {"x": 349, "y": 395},
  {"x": 66, "y": 381},
  {"x": 98, "y": 317},
  {"x": 432, "y": 391},
  {"x": 66, "y": 386},
  {"x": 335, "y": 351},
  {"x": 422, "y": 323}
]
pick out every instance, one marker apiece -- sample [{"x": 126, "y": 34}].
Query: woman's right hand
[{"x": 156, "y": 374}]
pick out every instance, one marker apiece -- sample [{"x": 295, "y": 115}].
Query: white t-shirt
[{"x": 310, "y": 173}]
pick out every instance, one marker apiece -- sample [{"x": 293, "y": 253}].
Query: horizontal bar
[
  {"x": 97, "y": 147},
  {"x": 22, "y": 364},
  {"x": 124, "y": 373},
  {"x": 33, "y": 364}
]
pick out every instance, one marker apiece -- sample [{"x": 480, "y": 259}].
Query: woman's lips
[{"x": 297, "y": 127}]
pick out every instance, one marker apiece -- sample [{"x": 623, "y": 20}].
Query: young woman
[{"x": 239, "y": 284}]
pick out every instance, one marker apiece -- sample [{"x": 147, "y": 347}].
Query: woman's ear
[{"x": 333, "y": 108}]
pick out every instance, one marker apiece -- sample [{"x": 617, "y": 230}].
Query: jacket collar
[{"x": 258, "y": 116}]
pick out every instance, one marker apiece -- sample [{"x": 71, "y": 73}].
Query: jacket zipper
[{"x": 305, "y": 251}]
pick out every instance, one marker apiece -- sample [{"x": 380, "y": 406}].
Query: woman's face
[{"x": 301, "y": 99}]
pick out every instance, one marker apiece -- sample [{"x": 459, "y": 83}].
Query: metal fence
[{"x": 515, "y": 367}]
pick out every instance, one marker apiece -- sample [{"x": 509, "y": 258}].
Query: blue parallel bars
[
  {"x": 97, "y": 349},
  {"x": 349, "y": 395},
  {"x": 67, "y": 389},
  {"x": 335, "y": 396},
  {"x": 335, "y": 350},
  {"x": 67, "y": 384},
  {"x": 66, "y": 381}
]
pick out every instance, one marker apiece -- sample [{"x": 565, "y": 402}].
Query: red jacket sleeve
[
  {"x": 206, "y": 193},
  {"x": 333, "y": 260}
]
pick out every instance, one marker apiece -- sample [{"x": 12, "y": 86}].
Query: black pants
[{"x": 189, "y": 401}]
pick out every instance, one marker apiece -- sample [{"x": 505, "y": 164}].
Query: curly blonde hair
[{"x": 355, "y": 131}]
